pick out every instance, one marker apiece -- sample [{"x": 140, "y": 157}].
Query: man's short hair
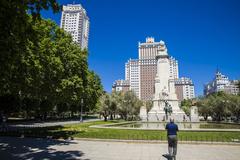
[{"x": 172, "y": 120}]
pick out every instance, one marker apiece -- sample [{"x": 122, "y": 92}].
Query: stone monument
[
  {"x": 194, "y": 114},
  {"x": 143, "y": 113},
  {"x": 165, "y": 102}
]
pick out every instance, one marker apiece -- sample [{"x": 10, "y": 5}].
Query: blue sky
[{"x": 202, "y": 35}]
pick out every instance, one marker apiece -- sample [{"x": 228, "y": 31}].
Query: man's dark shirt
[{"x": 172, "y": 129}]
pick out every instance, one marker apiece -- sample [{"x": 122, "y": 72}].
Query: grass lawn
[{"x": 84, "y": 131}]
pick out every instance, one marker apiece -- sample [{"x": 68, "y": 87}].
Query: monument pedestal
[
  {"x": 194, "y": 114},
  {"x": 165, "y": 102},
  {"x": 143, "y": 113},
  {"x": 157, "y": 113}
]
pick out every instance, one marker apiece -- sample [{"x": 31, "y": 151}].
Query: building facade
[
  {"x": 148, "y": 71},
  {"x": 184, "y": 88},
  {"x": 132, "y": 75},
  {"x": 75, "y": 21},
  {"x": 221, "y": 83},
  {"x": 141, "y": 73},
  {"x": 147, "y": 52},
  {"x": 121, "y": 85}
]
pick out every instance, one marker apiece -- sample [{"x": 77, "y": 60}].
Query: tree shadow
[
  {"x": 36, "y": 149},
  {"x": 55, "y": 132}
]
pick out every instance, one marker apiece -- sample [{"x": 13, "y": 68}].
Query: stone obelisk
[{"x": 164, "y": 91}]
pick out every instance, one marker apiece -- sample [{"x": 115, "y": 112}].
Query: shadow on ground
[
  {"x": 55, "y": 132},
  {"x": 35, "y": 149}
]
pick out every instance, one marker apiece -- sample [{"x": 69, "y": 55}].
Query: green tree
[
  {"x": 220, "y": 105},
  {"x": 186, "y": 104},
  {"x": 149, "y": 105},
  {"x": 39, "y": 61},
  {"x": 29, "y": 107},
  {"x": 16, "y": 32},
  {"x": 94, "y": 90},
  {"x": 114, "y": 104},
  {"x": 104, "y": 106},
  {"x": 216, "y": 105},
  {"x": 17, "y": 35},
  {"x": 235, "y": 106},
  {"x": 129, "y": 105},
  {"x": 204, "y": 107}
]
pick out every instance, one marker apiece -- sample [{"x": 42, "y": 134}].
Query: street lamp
[{"x": 81, "y": 118}]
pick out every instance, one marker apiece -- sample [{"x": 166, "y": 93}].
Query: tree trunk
[
  {"x": 205, "y": 117},
  {"x": 105, "y": 117}
]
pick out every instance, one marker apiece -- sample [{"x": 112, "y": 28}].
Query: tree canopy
[
  {"x": 125, "y": 104},
  {"x": 220, "y": 106},
  {"x": 40, "y": 64}
]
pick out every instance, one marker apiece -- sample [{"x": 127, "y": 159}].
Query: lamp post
[{"x": 81, "y": 118}]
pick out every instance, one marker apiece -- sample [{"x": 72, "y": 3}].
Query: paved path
[{"x": 36, "y": 149}]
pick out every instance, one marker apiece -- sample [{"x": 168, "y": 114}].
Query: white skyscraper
[
  {"x": 132, "y": 75},
  {"x": 75, "y": 21}
]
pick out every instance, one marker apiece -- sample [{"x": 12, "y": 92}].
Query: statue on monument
[
  {"x": 167, "y": 109},
  {"x": 165, "y": 102}
]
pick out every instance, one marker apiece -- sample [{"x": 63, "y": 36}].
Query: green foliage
[
  {"x": 94, "y": 90},
  {"x": 104, "y": 106},
  {"x": 149, "y": 105},
  {"x": 125, "y": 104},
  {"x": 16, "y": 35},
  {"x": 40, "y": 64},
  {"x": 186, "y": 105},
  {"x": 220, "y": 106}
]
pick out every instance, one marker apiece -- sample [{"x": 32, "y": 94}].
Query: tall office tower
[
  {"x": 147, "y": 52},
  {"x": 148, "y": 49},
  {"x": 132, "y": 75},
  {"x": 148, "y": 71},
  {"x": 221, "y": 83},
  {"x": 75, "y": 21},
  {"x": 141, "y": 72},
  {"x": 184, "y": 88}
]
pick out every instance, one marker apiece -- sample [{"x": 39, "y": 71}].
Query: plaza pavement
[{"x": 12, "y": 148}]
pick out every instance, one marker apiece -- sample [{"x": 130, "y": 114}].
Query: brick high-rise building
[
  {"x": 141, "y": 73},
  {"x": 147, "y": 52},
  {"x": 75, "y": 21}
]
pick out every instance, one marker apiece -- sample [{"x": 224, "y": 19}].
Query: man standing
[{"x": 172, "y": 130}]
